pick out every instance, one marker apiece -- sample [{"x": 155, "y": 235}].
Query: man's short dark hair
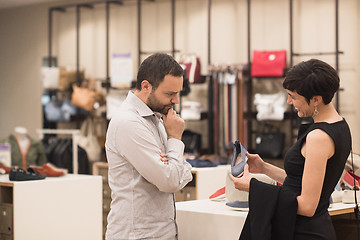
[
  {"x": 313, "y": 78},
  {"x": 156, "y": 67}
]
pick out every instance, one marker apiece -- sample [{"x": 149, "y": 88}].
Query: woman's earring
[{"x": 316, "y": 112}]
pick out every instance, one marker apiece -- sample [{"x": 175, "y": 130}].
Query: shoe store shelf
[{"x": 56, "y": 208}]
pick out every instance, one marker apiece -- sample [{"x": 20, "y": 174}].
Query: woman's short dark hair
[
  {"x": 156, "y": 67},
  {"x": 313, "y": 78}
]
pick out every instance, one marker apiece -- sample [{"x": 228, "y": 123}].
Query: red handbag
[
  {"x": 192, "y": 67},
  {"x": 268, "y": 63}
]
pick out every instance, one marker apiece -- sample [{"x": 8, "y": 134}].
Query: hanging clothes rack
[{"x": 75, "y": 133}]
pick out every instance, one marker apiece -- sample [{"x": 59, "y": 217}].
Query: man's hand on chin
[{"x": 174, "y": 125}]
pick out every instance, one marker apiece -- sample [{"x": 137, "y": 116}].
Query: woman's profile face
[{"x": 300, "y": 104}]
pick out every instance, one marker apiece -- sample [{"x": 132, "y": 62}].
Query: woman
[{"x": 314, "y": 164}]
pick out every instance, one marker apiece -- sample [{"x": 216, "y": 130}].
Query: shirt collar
[{"x": 140, "y": 106}]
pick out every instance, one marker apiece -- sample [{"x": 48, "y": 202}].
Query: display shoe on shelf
[
  {"x": 49, "y": 170},
  {"x": 6, "y": 168},
  {"x": 19, "y": 174},
  {"x": 239, "y": 159}
]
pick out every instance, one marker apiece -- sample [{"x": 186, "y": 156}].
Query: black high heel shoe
[{"x": 238, "y": 163}]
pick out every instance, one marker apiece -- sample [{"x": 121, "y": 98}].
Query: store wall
[{"x": 23, "y": 43}]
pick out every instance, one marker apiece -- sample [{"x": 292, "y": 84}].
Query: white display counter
[
  {"x": 213, "y": 220},
  {"x": 206, "y": 181},
  {"x": 210, "y": 220},
  {"x": 56, "y": 208}
]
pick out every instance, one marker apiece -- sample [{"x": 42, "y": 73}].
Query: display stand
[
  {"x": 194, "y": 218},
  {"x": 56, "y": 208},
  {"x": 75, "y": 133}
]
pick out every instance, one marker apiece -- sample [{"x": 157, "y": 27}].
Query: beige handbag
[
  {"x": 89, "y": 141},
  {"x": 67, "y": 78},
  {"x": 83, "y": 98}
]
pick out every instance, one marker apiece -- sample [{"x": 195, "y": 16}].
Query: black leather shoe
[{"x": 19, "y": 174}]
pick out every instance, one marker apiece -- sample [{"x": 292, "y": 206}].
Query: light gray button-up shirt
[{"x": 142, "y": 186}]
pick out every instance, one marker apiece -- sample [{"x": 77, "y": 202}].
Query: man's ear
[{"x": 146, "y": 86}]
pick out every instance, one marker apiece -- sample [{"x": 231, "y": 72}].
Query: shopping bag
[{"x": 268, "y": 63}]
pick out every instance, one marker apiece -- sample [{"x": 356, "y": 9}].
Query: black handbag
[
  {"x": 192, "y": 141},
  {"x": 269, "y": 144}
]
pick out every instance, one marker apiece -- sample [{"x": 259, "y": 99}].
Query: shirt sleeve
[{"x": 138, "y": 145}]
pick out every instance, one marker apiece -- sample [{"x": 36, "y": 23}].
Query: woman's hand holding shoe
[
  {"x": 258, "y": 165},
  {"x": 255, "y": 163},
  {"x": 242, "y": 183}
]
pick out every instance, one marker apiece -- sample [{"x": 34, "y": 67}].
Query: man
[{"x": 145, "y": 155}]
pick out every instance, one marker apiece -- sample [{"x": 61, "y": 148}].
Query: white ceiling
[{"x": 22, "y": 3}]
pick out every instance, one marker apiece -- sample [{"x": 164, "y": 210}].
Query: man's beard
[{"x": 154, "y": 104}]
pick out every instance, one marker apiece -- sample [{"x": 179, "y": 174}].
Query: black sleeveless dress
[{"x": 319, "y": 226}]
